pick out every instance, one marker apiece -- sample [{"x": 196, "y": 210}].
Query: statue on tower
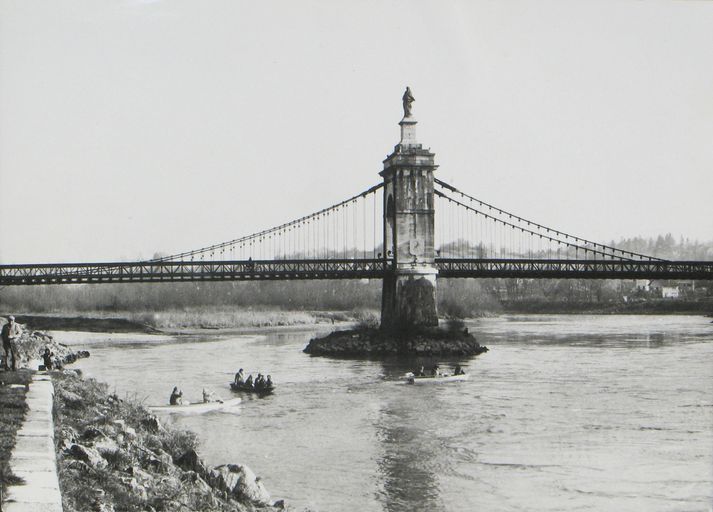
[{"x": 408, "y": 99}]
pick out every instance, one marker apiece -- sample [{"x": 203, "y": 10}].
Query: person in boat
[
  {"x": 249, "y": 382},
  {"x": 176, "y": 397},
  {"x": 421, "y": 372},
  {"x": 259, "y": 381},
  {"x": 239, "y": 377},
  {"x": 268, "y": 383},
  {"x": 458, "y": 370},
  {"x": 209, "y": 396},
  {"x": 434, "y": 371}
]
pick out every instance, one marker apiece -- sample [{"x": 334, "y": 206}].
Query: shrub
[
  {"x": 178, "y": 442},
  {"x": 367, "y": 319}
]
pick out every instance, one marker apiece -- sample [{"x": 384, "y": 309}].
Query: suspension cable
[
  {"x": 522, "y": 229},
  {"x": 542, "y": 227},
  {"x": 269, "y": 231}
]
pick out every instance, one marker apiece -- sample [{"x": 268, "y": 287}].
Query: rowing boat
[
  {"x": 243, "y": 387},
  {"x": 195, "y": 407},
  {"x": 439, "y": 379}
]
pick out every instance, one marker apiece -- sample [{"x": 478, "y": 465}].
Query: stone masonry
[
  {"x": 409, "y": 290},
  {"x": 33, "y": 458}
]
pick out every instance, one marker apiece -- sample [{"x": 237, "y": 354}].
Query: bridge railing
[
  {"x": 190, "y": 271},
  {"x": 588, "y": 269}
]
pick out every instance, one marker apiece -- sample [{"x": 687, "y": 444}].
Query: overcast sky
[{"x": 131, "y": 127}]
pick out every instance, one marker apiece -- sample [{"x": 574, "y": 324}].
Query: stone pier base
[
  {"x": 379, "y": 343},
  {"x": 408, "y": 300}
]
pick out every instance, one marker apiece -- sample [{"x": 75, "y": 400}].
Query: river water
[{"x": 564, "y": 413}]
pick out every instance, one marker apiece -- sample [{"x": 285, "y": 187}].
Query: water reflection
[
  {"x": 414, "y": 427},
  {"x": 408, "y": 476}
]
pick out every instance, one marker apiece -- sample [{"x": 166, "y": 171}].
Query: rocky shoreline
[
  {"x": 32, "y": 343},
  {"x": 374, "y": 342},
  {"x": 113, "y": 454}
]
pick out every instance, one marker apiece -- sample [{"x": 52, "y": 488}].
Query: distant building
[
  {"x": 687, "y": 286},
  {"x": 670, "y": 292},
  {"x": 642, "y": 284},
  {"x": 655, "y": 285},
  {"x": 673, "y": 289}
]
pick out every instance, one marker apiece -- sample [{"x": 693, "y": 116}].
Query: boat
[
  {"x": 438, "y": 379},
  {"x": 250, "y": 389},
  {"x": 195, "y": 407}
]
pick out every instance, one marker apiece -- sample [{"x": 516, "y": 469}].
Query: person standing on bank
[{"x": 10, "y": 334}]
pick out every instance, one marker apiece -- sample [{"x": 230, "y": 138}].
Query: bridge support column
[
  {"x": 409, "y": 301},
  {"x": 409, "y": 290}
]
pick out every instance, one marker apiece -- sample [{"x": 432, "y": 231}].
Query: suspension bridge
[{"x": 407, "y": 229}]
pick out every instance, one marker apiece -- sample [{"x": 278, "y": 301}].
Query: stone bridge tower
[{"x": 409, "y": 291}]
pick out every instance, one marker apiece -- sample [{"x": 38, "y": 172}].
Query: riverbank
[
  {"x": 14, "y": 390},
  {"x": 228, "y": 320},
  {"x": 639, "y": 307},
  {"x": 113, "y": 454},
  {"x": 187, "y": 321}
]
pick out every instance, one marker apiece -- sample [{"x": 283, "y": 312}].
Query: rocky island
[{"x": 453, "y": 340}]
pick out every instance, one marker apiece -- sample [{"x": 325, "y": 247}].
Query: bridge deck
[{"x": 169, "y": 271}]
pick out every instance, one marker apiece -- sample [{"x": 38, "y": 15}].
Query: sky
[{"x": 134, "y": 127}]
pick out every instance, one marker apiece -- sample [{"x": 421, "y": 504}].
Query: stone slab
[
  {"x": 32, "y": 507},
  {"x": 39, "y": 394},
  {"x": 39, "y": 479},
  {"x": 41, "y": 390},
  {"x": 40, "y": 386},
  {"x": 35, "y": 432},
  {"x": 33, "y": 464},
  {"x": 41, "y": 382},
  {"x": 44, "y": 410},
  {"x": 32, "y": 494},
  {"x": 30, "y": 455},
  {"x": 36, "y": 395},
  {"x": 36, "y": 404},
  {"x": 25, "y": 444},
  {"x": 38, "y": 421}
]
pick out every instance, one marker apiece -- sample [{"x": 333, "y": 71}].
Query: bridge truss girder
[
  {"x": 178, "y": 271},
  {"x": 169, "y": 271},
  {"x": 574, "y": 269}
]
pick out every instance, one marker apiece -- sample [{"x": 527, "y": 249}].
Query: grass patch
[
  {"x": 12, "y": 413},
  {"x": 212, "y": 318},
  {"x": 199, "y": 317},
  {"x": 231, "y": 318}
]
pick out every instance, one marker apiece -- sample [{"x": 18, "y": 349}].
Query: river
[{"x": 564, "y": 413}]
